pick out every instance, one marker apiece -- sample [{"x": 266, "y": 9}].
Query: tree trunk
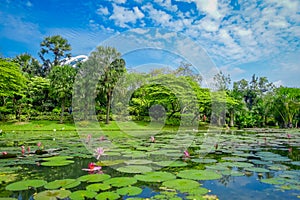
[
  {"x": 108, "y": 106},
  {"x": 231, "y": 119},
  {"x": 62, "y": 111}
]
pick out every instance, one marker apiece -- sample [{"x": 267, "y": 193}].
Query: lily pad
[
  {"x": 199, "y": 174},
  {"x": 52, "y": 194},
  {"x": 198, "y": 191},
  {"x": 204, "y": 161},
  {"x": 93, "y": 178},
  {"x": 257, "y": 169},
  {"x": 121, "y": 181},
  {"x": 82, "y": 194},
  {"x": 133, "y": 169},
  {"x": 96, "y": 187},
  {"x": 107, "y": 196},
  {"x": 109, "y": 162},
  {"x": 296, "y": 163},
  {"x": 25, "y": 185},
  {"x": 138, "y": 162},
  {"x": 64, "y": 183},
  {"x": 171, "y": 164},
  {"x": 57, "y": 163},
  {"x": 183, "y": 185},
  {"x": 155, "y": 177},
  {"x": 273, "y": 181},
  {"x": 131, "y": 191}
]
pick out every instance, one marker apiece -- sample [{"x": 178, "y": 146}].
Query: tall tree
[
  {"x": 61, "y": 85},
  {"x": 29, "y": 65},
  {"x": 107, "y": 63},
  {"x": 287, "y": 104},
  {"x": 12, "y": 84},
  {"x": 57, "y": 46}
]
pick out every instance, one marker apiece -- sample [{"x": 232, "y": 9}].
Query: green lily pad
[
  {"x": 204, "y": 161},
  {"x": 109, "y": 162},
  {"x": 239, "y": 164},
  {"x": 296, "y": 163},
  {"x": 96, "y": 187},
  {"x": 155, "y": 177},
  {"x": 236, "y": 159},
  {"x": 199, "y": 174},
  {"x": 134, "y": 169},
  {"x": 82, "y": 194},
  {"x": 64, "y": 183},
  {"x": 198, "y": 191},
  {"x": 7, "y": 198},
  {"x": 121, "y": 181},
  {"x": 93, "y": 178},
  {"x": 183, "y": 185},
  {"x": 257, "y": 169},
  {"x": 107, "y": 196},
  {"x": 131, "y": 191},
  {"x": 25, "y": 185},
  {"x": 171, "y": 164},
  {"x": 273, "y": 181},
  {"x": 52, "y": 194},
  {"x": 57, "y": 158},
  {"x": 138, "y": 162},
  {"x": 57, "y": 163}
]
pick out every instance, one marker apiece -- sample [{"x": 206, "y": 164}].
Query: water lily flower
[
  {"x": 54, "y": 129},
  {"x": 23, "y": 150},
  {"x": 28, "y": 149},
  {"x": 152, "y": 139},
  {"x": 88, "y": 139},
  {"x": 4, "y": 153},
  {"x": 289, "y": 136},
  {"x": 92, "y": 167},
  {"x": 186, "y": 154},
  {"x": 99, "y": 152},
  {"x": 102, "y": 138},
  {"x": 39, "y": 144},
  {"x": 290, "y": 150}
]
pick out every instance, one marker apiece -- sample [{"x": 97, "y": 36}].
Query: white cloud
[
  {"x": 122, "y": 16},
  {"x": 29, "y": 4},
  {"x": 167, "y": 4},
  {"x": 103, "y": 11}
]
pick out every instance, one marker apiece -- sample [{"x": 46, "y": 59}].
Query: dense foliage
[{"x": 33, "y": 90}]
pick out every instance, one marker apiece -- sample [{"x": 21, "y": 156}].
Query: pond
[{"x": 260, "y": 164}]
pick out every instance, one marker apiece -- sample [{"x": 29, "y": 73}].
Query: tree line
[{"x": 33, "y": 90}]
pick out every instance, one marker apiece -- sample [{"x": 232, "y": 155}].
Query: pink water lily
[
  {"x": 4, "y": 153},
  {"x": 186, "y": 154},
  {"x": 289, "y": 136},
  {"x": 39, "y": 144},
  {"x": 99, "y": 152},
  {"x": 23, "y": 150},
  {"x": 92, "y": 167},
  {"x": 102, "y": 138},
  {"x": 88, "y": 139},
  {"x": 152, "y": 139}
]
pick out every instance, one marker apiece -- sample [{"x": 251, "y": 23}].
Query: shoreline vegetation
[{"x": 31, "y": 90}]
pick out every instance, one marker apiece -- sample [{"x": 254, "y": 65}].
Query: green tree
[
  {"x": 108, "y": 66},
  {"x": 287, "y": 104},
  {"x": 61, "y": 85},
  {"x": 29, "y": 65},
  {"x": 12, "y": 84},
  {"x": 57, "y": 46}
]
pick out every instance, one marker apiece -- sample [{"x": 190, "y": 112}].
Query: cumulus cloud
[{"x": 123, "y": 16}]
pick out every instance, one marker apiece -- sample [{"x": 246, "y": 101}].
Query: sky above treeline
[{"x": 241, "y": 38}]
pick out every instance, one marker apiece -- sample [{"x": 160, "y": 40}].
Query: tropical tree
[
  {"x": 29, "y": 65},
  {"x": 287, "y": 104},
  {"x": 61, "y": 85},
  {"x": 57, "y": 46},
  {"x": 12, "y": 84},
  {"x": 106, "y": 66}
]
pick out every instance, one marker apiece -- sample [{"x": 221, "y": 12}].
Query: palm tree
[{"x": 56, "y": 45}]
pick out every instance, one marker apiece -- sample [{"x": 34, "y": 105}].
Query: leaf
[
  {"x": 131, "y": 191},
  {"x": 199, "y": 174},
  {"x": 155, "y": 177},
  {"x": 52, "y": 195},
  {"x": 121, "y": 181},
  {"x": 64, "y": 183},
  {"x": 25, "y": 185}
]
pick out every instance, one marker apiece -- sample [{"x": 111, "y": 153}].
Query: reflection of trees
[{"x": 226, "y": 179}]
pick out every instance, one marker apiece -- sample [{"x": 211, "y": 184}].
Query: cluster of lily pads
[{"x": 172, "y": 168}]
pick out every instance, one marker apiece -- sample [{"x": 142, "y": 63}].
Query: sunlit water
[{"x": 228, "y": 187}]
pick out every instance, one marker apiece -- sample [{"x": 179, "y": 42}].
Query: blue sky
[{"x": 240, "y": 37}]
